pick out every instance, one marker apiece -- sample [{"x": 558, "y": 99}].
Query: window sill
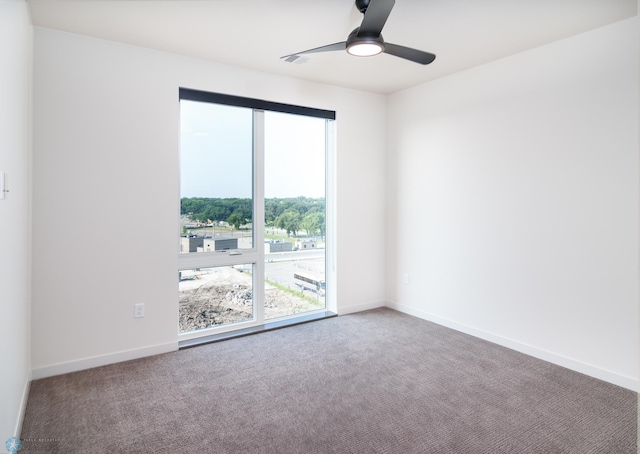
[{"x": 270, "y": 326}]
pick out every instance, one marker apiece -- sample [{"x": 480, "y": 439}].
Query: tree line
[{"x": 290, "y": 214}]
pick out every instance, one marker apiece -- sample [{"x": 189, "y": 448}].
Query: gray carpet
[{"x": 373, "y": 382}]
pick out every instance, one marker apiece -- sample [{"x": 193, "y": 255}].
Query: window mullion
[{"x": 258, "y": 214}]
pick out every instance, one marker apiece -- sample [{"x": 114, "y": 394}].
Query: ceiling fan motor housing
[{"x": 362, "y": 5}]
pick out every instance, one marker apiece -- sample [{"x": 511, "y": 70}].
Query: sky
[{"x": 216, "y": 152}]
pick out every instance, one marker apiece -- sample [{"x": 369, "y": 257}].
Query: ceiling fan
[{"x": 367, "y": 41}]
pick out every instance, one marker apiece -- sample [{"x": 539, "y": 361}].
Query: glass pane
[
  {"x": 294, "y": 214},
  {"x": 216, "y": 177},
  {"x": 215, "y": 296}
]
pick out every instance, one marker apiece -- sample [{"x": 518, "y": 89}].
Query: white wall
[
  {"x": 15, "y": 231},
  {"x": 106, "y": 194},
  {"x": 513, "y": 201}
]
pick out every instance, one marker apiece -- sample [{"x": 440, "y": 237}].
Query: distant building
[
  {"x": 277, "y": 246},
  {"x": 190, "y": 244},
  {"x": 306, "y": 244},
  {"x": 219, "y": 244},
  {"x": 245, "y": 242}
]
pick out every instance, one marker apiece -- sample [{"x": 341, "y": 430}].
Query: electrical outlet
[{"x": 138, "y": 310}]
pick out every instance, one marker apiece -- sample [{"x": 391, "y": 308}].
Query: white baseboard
[
  {"x": 97, "y": 361},
  {"x": 554, "y": 358},
  {"x": 344, "y": 310},
  {"x": 23, "y": 406}
]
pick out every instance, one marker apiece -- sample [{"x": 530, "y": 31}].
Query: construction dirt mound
[{"x": 224, "y": 295}]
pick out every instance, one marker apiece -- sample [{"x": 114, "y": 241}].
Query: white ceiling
[{"x": 256, "y": 33}]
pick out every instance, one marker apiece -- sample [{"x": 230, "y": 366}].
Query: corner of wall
[{"x": 344, "y": 310}]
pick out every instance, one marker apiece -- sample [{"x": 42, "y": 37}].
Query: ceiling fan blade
[
  {"x": 415, "y": 55},
  {"x": 328, "y": 48},
  {"x": 375, "y": 17}
]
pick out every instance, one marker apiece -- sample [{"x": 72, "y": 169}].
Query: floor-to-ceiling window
[{"x": 253, "y": 212}]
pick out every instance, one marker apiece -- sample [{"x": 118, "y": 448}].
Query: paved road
[
  {"x": 281, "y": 266},
  {"x": 294, "y": 255}
]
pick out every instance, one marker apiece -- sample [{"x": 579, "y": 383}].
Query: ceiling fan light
[{"x": 365, "y": 49}]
